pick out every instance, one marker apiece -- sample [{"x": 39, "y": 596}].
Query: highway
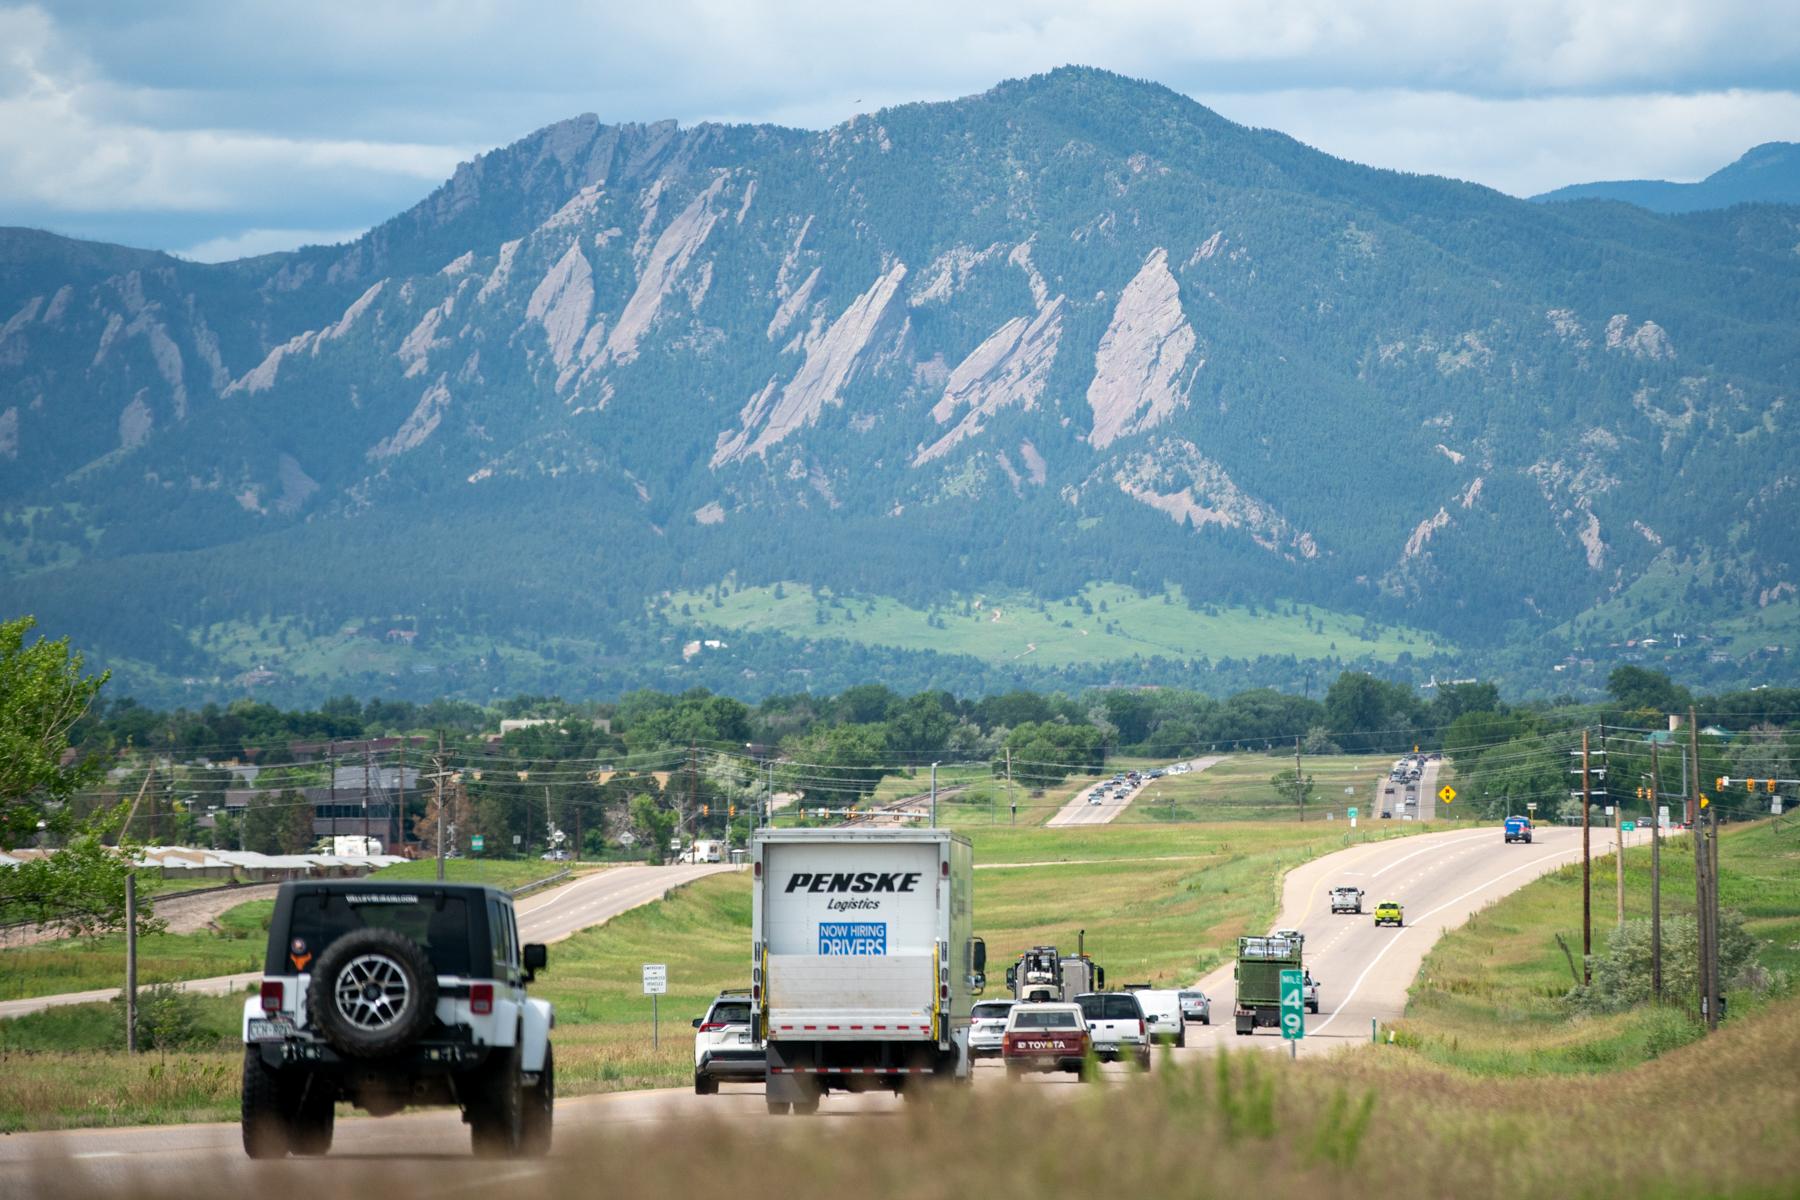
[
  {"x": 1364, "y": 973},
  {"x": 547, "y": 916},
  {"x": 1079, "y": 812}
]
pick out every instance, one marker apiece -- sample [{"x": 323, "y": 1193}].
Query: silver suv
[
  {"x": 390, "y": 994},
  {"x": 723, "y": 1047}
]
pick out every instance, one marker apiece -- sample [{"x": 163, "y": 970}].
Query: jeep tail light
[
  {"x": 481, "y": 999},
  {"x": 271, "y": 995}
]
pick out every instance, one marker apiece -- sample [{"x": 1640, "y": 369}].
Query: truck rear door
[{"x": 850, "y": 933}]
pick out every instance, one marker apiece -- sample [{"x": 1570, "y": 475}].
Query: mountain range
[
  {"x": 1766, "y": 174},
  {"x": 942, "y": 360}
]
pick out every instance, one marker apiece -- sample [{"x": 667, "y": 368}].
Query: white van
[{"x": 1162, "y": 1011}]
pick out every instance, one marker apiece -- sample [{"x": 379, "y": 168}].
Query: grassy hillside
[{"x": 1105, "y": 623}]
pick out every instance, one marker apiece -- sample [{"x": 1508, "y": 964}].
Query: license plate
[{"x": 270, "y": 1031}]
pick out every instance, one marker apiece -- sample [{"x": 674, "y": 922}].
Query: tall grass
[{"x": 1366, "y": 1124}]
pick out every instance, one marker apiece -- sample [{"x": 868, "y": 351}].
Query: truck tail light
[
  {"x": 1143, "y": 1029},
  {"x": 711, "y": 1026},
  {"x": 272, "y": 992},
  {"x": 756, "y": 869},
  {"x": 481, "y": 999}
]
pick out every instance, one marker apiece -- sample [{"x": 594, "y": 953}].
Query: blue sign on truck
[
  {"x": 1518, "y": 829},
  {"x": 853, "y": 937}
]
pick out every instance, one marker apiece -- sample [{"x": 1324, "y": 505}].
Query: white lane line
[
  {"x": 1427, "y": 850},
  {"x": 1351, "y": 994}
]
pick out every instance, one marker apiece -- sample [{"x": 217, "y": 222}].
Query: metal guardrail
[{"x": 535, "y": 884}]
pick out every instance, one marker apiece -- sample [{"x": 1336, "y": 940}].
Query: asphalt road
[
  {"x": 547, "y": 916},
  {"x": 1364, "y": 973},
  {"x": 1079, "y": 812}
]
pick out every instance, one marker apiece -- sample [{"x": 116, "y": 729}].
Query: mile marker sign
[
  {"x": 1293, "y": 1005},
  {"x": 1446, "y": 793}
]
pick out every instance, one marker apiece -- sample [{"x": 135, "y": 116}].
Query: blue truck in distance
[{"x": 1518, "y": 829}]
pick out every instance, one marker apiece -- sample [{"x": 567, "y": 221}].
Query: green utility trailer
[{"x": 1260, "y": 962}]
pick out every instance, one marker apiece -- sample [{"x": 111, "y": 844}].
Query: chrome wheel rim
[{"x": 372, "y": 992}]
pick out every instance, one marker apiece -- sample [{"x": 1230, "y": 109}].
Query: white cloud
[
  {"x": 283, "y": 116},
  {"x": 1526, "y": 146},
  {"x": 58, "y": 151},
  {"x": 252, "y": 242}
]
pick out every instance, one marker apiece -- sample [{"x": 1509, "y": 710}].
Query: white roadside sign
[{"x": 656, "y": 979}]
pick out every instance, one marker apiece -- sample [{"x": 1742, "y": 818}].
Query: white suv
[
  {"x": 390, "y": 994},
  {"x": 987, "y": 1027},
  {"x": 723, "y": 1046},
  {"x": 1117, "y": 1024}
]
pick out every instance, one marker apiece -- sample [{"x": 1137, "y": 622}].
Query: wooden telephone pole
[
  {"x": 1299, "y": 784},
  {"x": 1655, "y": 879},
  {"x": 1587, "y": 895}
]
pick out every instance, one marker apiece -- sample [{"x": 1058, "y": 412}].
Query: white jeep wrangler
[{"x": 390, "y": 994}]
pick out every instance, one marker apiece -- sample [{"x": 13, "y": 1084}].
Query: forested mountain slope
[
  {"x": 1074, "y": 329},
  {"x": 1766, "y": 174}
]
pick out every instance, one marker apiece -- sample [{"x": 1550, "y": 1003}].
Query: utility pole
[
  {"x": 131, "y": 962},
  {"x": 1696, "y": 824},
  {"x": 1655, "y": 878},
  {"x": 934, "y": 768},
  {"x": 1011, "y": 802},
  {"x": 1299, "y": 785},
  {"x": 693, "y": 774},
  {"x": 397, "y": 817},
  {"x": 437, "y": 774},
  {"x": 1619, "y": 854},
  {"x": 1714, "y": 985},
  {"x": 125, "y": 829},
  {"x": 1587, "y": 899}
]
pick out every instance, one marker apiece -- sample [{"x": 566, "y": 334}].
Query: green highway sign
[
  {"x": 476, "y": 843},
  {"x": 1627, "y": 826},
  {"x": 1353, "y": 814},
  {"x": 1293, "y": 1005}
]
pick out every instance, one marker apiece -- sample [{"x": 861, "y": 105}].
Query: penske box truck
[{"x": 864, "y": 960}]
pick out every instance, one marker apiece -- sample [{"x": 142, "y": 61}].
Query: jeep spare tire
[{"x": 373, "y": 993}]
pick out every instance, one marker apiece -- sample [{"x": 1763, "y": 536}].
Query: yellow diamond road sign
[{"x": 1446, "y": 793}]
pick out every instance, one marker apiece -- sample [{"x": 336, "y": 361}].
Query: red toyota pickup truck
[{"x": 1044, "y": 1037}]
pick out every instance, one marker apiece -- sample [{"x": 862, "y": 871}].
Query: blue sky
[{"x": 216, "y": 128}]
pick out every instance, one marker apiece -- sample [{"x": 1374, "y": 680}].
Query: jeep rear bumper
[{"x": 430, "y": 1057}]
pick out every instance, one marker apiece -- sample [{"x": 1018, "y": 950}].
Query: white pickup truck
[
  {"x": 1117, "y": 1025},
  {"x": 1346, "y": 899}
]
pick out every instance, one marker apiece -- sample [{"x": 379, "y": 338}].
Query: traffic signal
[
  {"x": 1768, "y": 785},
  {"x": 705, "y": 810},
  {"x": 1749, "y": 785},
  {"x": 1723, "y": 782},
  {"x": 731, "y": 810}
]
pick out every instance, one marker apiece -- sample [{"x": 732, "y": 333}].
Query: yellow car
[{"x": 1388, "y": 913}]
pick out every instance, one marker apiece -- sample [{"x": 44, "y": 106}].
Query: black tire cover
[{"x": 348, "y": 1037}]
